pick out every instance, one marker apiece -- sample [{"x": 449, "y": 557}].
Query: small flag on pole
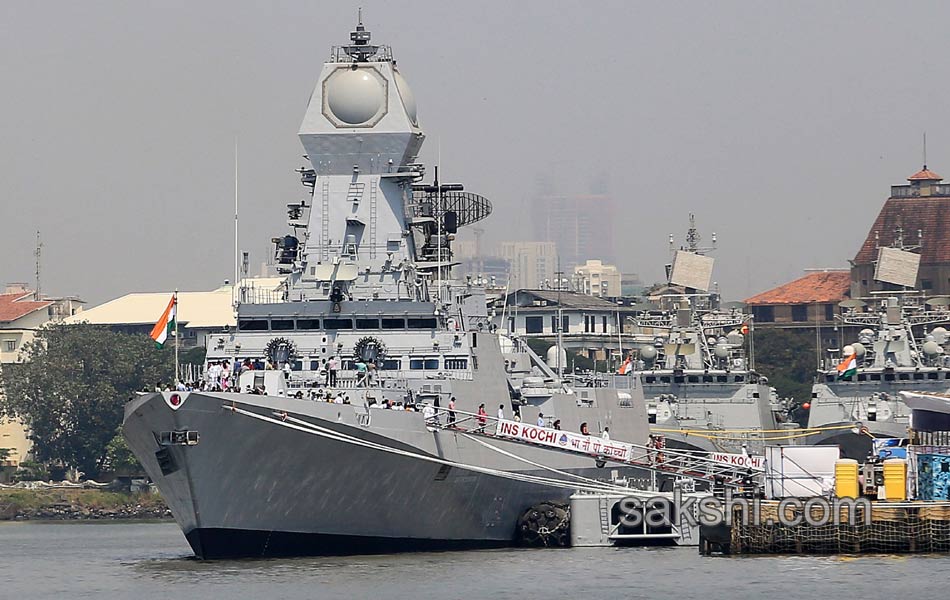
[{"x": 166, "y": 323}]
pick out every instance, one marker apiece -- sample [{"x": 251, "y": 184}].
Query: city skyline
[{"x": 120, "y": 124}]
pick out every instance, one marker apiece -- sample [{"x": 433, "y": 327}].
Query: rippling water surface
[{"x": 152, "y": 560}]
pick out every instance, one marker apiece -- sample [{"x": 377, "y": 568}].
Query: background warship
[
  {"x": 851, "y": 409},
  {"x": 694, "y": 358},
  {"x": 368, "y": 290}
]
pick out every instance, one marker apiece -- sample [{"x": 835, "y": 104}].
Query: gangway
[{"x": 697, "y": 466}]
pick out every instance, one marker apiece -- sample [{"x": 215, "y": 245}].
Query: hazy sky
[{"x": 780, "y": 125}]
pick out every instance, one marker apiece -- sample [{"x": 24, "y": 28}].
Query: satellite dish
[
  {"x": 939, "y": 301},
  {"x": 852, "y": 303}
]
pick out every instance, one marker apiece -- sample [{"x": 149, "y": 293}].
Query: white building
[
  {"x": 594, "y": 278},
  {"x": 21, "y": 315},
  {"x": 200, "y": 314}
]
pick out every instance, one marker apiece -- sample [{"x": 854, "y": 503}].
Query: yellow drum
[
  {"x": 895, "y": 479},
  {"x": 846, "y": 478}
]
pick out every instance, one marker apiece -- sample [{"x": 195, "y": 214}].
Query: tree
[
  {"x": 787, "y": 357},
  {"x": 71, "y": 389}
]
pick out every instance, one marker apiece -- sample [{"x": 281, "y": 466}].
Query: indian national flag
[
  {"x": 848, "y": 366},
  {"x": 626, "y": 367},
  {"x": 166, "y": 324}
]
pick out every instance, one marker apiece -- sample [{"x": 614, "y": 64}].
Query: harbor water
[{"x": 153, "y": 560}]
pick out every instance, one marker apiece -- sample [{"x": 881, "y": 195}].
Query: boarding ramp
[{"x": 698, "y": 466}]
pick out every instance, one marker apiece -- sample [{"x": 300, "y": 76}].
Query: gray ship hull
[{"x": 255, "y": 488}]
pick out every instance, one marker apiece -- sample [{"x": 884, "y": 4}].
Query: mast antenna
[
  {"x": 237, "y": 253},
  {"x": 925, "y": 151},
  {"x": 38, "y": 253}
]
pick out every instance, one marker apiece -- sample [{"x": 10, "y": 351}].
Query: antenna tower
[{"x": 38, "y": 253}]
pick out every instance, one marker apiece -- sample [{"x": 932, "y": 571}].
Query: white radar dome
[
  {"x": 847, "y": 351},
  {"x": 647, "y": 352},
  {"x": 552, "y": 356},
  {"x": 408, "y": 100},
  {"x": 931, "y": 348},
  {"x": 859, "y": 349},
  {"x": 355, "y": 96}
]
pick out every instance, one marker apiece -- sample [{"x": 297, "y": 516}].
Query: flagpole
[{"x": 176, "y": 339}]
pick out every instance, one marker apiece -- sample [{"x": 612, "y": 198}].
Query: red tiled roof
[
  {"x": 14, "y": 306},
  {"x": 822, "y": 287},
  {"x": 924, "y": 174},
  {"x": 930, "y": 215}
]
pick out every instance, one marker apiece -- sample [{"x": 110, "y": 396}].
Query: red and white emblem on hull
[{"x": 175, "y": 400}]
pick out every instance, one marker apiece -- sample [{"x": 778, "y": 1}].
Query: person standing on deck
[{"x": 332, "y": 367}]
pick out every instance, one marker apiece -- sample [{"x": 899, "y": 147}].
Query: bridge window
[
  {"x": 904, "y": 376},
  {"x": 422, "y": 323},
  {"x": 862, "y": 377},
  {"x": 253, "y": 325},
  {"x": 391, "y": 364},
  {"x": 918, "y": 376},
  {"x": 740, "y": 378},
  {"x": 391, "y": 323},
  {"x": 534, "y": 324},
  {"x": 875, "y": 376},
  {"x": 707, "y": 378},
  {"x": 367, "y": 323},
  {"x": 308, "y": 324},
  {"x": 427, "y": 364},
  {"x": 281, "y": 324},
  {"x": 456, "y": 363},
  {"x": 338, "y": 323},
  {"x": 932, "y": 375},
  {"x": 651, "y": 379}
]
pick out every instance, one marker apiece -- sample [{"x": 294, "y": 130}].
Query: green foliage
[
  {"x": 71, "y": 388},
  {"x": 31, "y": 471},
  {"x": 787, "y": 358},
  {"x": 5, "y": 453},
  {"x": 119, "y": 457},
  {"x": 193, "y": 356}
]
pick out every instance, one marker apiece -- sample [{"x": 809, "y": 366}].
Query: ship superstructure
[
  {"x": 338, "y": 438},
  {"x": 694, "y": 359},
  {"x": 851, "y": 407}
]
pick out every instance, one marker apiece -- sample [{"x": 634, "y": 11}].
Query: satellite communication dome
[
  {"x": 551, "y": 358},
  {"x": 940, "y": 334},
  {"x": 721, "y": 351},
  {"x": 859, "y": 349},
  {"x": 931, "y": 348},
  {"x": 354, "y": 96},
  {"x": 647, "y": 352},
  {"x": 847, "y": 350}
]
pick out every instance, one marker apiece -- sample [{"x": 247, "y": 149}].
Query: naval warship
[
  {"x": 370, "y": 318},
  {"x": 851, "y": 408},
  {"x": 693, "y": 357}
]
